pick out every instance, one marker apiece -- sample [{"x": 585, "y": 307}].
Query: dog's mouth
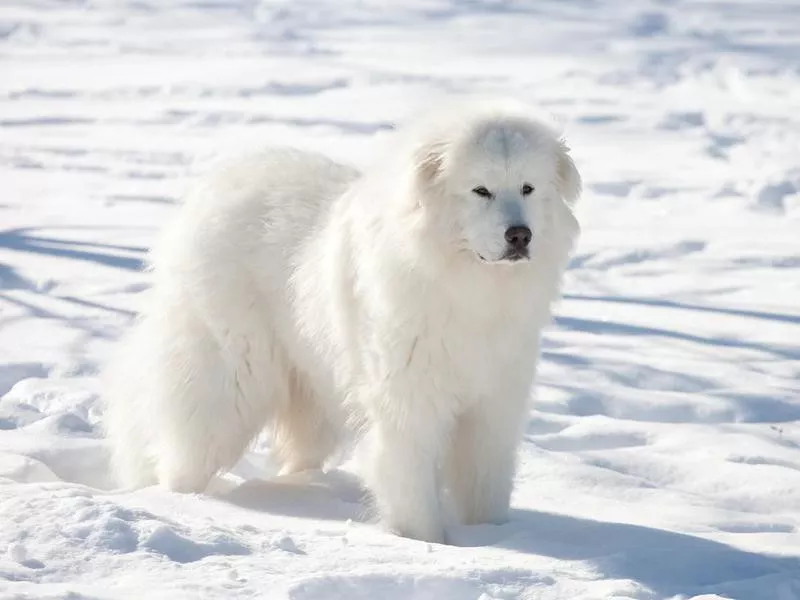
[
  {"x": 514, "y": 255},
  {"x": 509, "y": 256}
]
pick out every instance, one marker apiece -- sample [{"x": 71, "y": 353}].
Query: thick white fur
[{"x": 292, "y": 292}]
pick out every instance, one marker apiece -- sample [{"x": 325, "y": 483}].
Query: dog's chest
[{"x": 472, "y": 360}]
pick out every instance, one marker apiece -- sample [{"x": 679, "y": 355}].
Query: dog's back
[{"x": 217, "y": 324}]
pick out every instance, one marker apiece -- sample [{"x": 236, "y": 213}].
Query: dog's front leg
[
  {"x": 481, "y": 462},
  {"x": 407, "y": 441}
]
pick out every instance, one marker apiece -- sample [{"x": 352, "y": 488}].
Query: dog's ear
[
  {"x": 569, "y": 180},
  {"x": 429, "y": 162}
]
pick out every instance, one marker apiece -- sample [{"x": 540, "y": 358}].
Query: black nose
[{"x": 519, "y": 236}]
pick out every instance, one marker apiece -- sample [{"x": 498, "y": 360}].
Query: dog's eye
[
  {"x": 482, "y": 192},
  {"x": 527, "y": 189}
]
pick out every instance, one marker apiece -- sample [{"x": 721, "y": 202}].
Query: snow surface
[{"x": 662, "y": 459}]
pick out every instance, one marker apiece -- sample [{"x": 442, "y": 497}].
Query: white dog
[{"x": 292, "y": 291}]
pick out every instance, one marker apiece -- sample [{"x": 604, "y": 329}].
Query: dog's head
[{"x": 499, "y": 184}]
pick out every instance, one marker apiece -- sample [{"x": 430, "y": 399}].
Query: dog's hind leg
[
  {"x": 214, "y": 401},
  {"x": 303, "y": 433}
]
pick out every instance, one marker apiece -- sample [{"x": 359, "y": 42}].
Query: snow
[{"x": 662, "y": 457}]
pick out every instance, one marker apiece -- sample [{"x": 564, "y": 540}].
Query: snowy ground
[{"x": 663, "y": 455}]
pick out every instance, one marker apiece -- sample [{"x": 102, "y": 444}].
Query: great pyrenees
[{"x": 295, "y": 293}]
